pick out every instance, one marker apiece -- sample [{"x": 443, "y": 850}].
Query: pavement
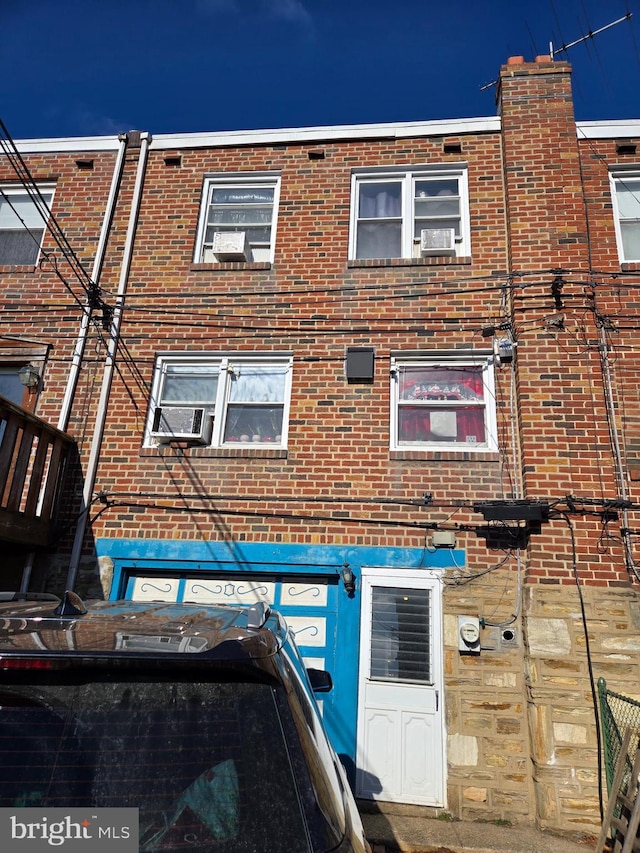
[{"x": 390, "y": 828}]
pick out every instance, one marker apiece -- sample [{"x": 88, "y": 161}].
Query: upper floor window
[
  {"x": 220, "y": 400},
  {"x": 626, "y": 198},
  {"x": 410, "y": 214},
  {"x": 443, "y": 403},
  {"x": 238, "y": 219},
  {"x": 23, "y": 218}
]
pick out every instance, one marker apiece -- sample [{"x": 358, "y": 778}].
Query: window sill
[
  {"x": 444, "y": 455},
  {"x": 231, "y": 265},
  {"x": 253, "y": 451},
  {"x": 438, "y": 261},
  {"x": 630, "y": 266}
]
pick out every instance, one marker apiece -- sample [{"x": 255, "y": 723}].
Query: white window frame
[
  {"x": 226, "y": 366},
  {"x": 475, "y": 360},
  {"x": 408, "y": 176},
  {"x": 617, "y": 177},
  {"x": 6, "y": 193},
  {"x": 245, "y": 181}
]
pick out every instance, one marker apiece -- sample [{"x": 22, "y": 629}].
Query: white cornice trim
[
  {"x": 72, "y": 144},
  {"x": 615, "y": 129},
  {"x": 394, "y": 130},
  {"x": 618, "y": 128}
]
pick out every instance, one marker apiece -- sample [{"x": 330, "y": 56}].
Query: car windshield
[{"x": 205, "y": 763}]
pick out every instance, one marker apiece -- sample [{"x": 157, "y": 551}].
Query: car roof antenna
[{"x": 71, "y": 605}]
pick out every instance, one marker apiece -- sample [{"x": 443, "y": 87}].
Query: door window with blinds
[{"x": 401, "y": 643}]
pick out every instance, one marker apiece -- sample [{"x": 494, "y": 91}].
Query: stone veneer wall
[
  {"x": 521, "y": 730},
  {"x": 564, "y": 748},
  {"x": 489, "y": 766}
]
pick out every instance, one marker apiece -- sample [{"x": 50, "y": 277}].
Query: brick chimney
[
  {"x": 545, "y": 207},
  {"x": 547, "y": 226}
]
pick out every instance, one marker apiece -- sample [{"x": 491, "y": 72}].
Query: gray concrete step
[{"x": 412, "y": 832}]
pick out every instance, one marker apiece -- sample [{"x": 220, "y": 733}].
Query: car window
[{"x": 205, "y": 763}]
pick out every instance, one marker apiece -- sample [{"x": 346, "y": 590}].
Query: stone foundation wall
[
  {"x": 562, "y": 721},
  {"x": 521, "y": 717},
  {"x": 489, "y": 766}
]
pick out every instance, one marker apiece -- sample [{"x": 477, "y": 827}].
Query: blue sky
[{"x": 86, "y": 67}]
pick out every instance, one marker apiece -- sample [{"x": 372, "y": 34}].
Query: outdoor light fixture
[
  {"x": 348, "y": 579},
  {"x": 29, "y": 376}
]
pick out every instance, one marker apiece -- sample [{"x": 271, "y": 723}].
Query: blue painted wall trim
[{"x": 261, "y": 556}]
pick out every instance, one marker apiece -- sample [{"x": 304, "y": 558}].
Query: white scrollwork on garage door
[
  {"x": 229, "y": 592},
  {"x": 304, "y": 594},
  {"x": 308, "y": 630},
  {"x": 155, "y": 589}
]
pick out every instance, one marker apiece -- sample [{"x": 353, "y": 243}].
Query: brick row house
[{"x": 381, "y": 376}]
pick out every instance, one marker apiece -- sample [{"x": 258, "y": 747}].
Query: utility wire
[
  {"x": 30, "y": 185},
  {"x": 336, "y": 519},
  {"x": 587, "y": 644}
]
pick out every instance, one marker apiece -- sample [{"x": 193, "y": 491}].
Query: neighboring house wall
[
  {"x": 42, "y": 300},
  {"x": 532, "y": 306},
  {"x": 57, "y": 187}
]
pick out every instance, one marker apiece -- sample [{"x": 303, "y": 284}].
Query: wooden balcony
[{"x": 34, "y": 457}]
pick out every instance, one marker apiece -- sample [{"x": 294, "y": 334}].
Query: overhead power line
[{"x": 50, "y": 222}]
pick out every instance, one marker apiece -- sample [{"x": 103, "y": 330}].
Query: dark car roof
[{"x": 35, "y": 624}]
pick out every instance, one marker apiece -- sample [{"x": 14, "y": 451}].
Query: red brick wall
[
  {"x": 563, "y": 423},
  {"x": 314, "y": 303}
]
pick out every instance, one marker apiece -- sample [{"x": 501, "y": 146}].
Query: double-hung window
[
  {"x": 238, "y": 219},
  {"x": 410, "y": 214},
  {"x": 220, "y": 401},
  {"x": 625, "y": 189},
  {"x": 23, "y": 218},
  {"x": 443, "y": 403}
]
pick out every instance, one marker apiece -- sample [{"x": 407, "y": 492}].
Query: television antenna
[{"x": 590, "y": 35}]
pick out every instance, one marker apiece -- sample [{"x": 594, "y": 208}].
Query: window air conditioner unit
[
  {"x": 437, "y": 241},
  {"x": 231, "y": 246},
  {"x": 177, "y": 423}
]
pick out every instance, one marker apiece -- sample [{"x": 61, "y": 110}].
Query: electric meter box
[{"x": 469, "y": 635}]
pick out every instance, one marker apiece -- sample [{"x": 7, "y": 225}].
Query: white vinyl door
[{"x": 400, "y": 749}]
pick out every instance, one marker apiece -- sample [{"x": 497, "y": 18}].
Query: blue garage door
[{"x": 308, "y": 604}]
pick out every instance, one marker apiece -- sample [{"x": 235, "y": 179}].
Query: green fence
[{"x": 617, "y": 713}]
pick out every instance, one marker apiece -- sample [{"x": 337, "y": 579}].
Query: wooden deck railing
[{"x": 33, "y": 458}]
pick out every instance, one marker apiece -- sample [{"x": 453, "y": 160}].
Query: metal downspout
[
  {"x": 98, "y": 433},
  {"x": 72, "y": 381}
]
